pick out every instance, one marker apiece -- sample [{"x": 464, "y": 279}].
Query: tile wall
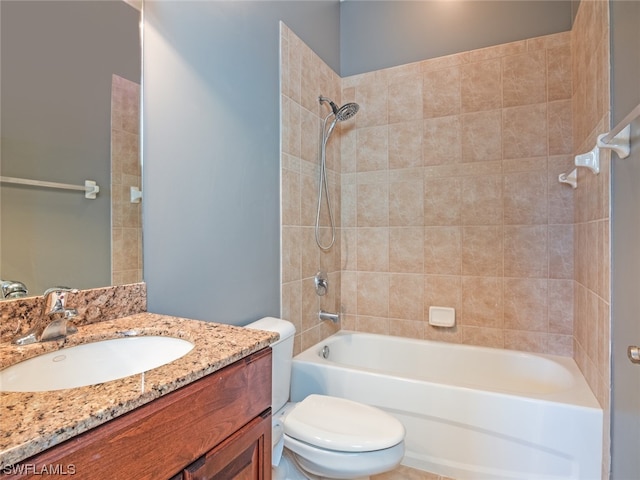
[
  {"x": 591, "y": 113},
  {"x": 126, "y": 219},
  {"x": 450, "y": 198},
  {"x": 303, "y": 78}
]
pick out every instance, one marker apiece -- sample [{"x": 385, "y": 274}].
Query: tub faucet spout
[{"x": 334, "y": 317}]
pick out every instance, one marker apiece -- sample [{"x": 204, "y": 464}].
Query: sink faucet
[
  {"x": 12, "y": 289},
  {"x": 52, "y": 323}
]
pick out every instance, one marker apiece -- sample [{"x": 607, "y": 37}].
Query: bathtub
[{"x": 470, "y": 412}]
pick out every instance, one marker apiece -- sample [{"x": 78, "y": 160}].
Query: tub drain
[{"x": 324, "y": 353}]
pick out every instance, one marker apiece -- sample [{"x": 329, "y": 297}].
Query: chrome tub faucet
[
  {"x": 334, "y": 317},
  {"x": 52, "y": 323}
]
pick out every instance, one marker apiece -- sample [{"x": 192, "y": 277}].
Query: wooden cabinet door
[{"x": 245, "y": 455}]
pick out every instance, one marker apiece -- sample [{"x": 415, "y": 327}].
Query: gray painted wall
[
  {"x": 211, "y": 152},
  {"x": 211, "y": 133},
  {"x": 381, "y": 34},
  {"x": 57, "y": 61},
  {"x": 625, "y": 238}
]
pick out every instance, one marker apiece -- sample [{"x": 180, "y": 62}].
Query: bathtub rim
[{"x": 579, "y": 395}]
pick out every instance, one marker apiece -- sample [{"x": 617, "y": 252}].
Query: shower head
[{"x": 345, "y": 112}]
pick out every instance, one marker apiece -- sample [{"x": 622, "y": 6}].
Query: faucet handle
[{"x": 54, "y": 299}]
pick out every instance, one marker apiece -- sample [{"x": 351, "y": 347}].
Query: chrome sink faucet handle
[
  {"x": 55, "y": 299},
  {"x": 52, "y": 323}
]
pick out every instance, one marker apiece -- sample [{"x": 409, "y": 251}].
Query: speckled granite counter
[{"x": 34, "y": 421}]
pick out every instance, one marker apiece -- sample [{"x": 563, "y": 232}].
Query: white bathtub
[{"x": 470, "y": 412}]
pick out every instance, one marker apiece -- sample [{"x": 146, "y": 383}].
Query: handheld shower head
[
  {"x": 344, "y": 112},
  {"x": 347, "y": 111}
]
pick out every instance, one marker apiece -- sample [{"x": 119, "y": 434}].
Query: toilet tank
[{"x": 282, "y": 357}]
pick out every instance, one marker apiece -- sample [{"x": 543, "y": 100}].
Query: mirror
[{"x": 69, "y": 113}]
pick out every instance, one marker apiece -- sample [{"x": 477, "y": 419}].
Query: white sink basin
[{"x": 92, "y": 363}]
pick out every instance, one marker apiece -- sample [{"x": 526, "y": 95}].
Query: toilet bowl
[{"x": 325, "y": 437}]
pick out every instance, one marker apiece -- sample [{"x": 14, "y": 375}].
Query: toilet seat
[{"x": 342, "y": 425}]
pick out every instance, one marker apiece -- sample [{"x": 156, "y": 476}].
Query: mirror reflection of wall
[
  {"x": 59, "y": 60},
  {"x": 126, "y": 183}
]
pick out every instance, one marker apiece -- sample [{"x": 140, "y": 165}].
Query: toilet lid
[{"x": 342, "y": 425}]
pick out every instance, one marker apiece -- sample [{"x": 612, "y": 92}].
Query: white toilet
[{"x": 325, "y": 437}]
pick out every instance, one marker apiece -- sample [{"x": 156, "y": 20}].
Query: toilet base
[{"x": 288, "y": 469}]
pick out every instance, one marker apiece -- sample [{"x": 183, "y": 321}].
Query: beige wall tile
[
  {"x": 406, "y": 249},
  {"x": 482, "y": 251},
  {"x": 525, "y": 195},
  {"x": 441, "y": 92},
  {"x": 406, "y": 203},
  {"x": 482, "y": 136},
  {"x": 442, "y": 291},
  {"x": 373, "y": 205},
  {"x": 442, "y": 201},
  {"x": 481, "y": 85},
  {"x": 372, "y": 97},
  {"x": 406, "y": 328},
  {"x": 372, "y": 324},
  {"x": 524, "y": 131},
  {"x": 349, "y": 292},
  {"x": 524, "y": 78},
  {"x": 405, "y": 144},
  {"x": 406, "y": 296},
  {"x": 526, "y": 341},
  {"x": 482, "y": 200},
  {"x": 443, "y": 250},
  {"x": 483, "y": 336},
  {"x": 405, "y": 99},
  {"x": 561, "y": 307},
  {"x": 291, "y": 307},
  {"x": 482, "y": 302},
  {"x": 372, "y": 149},
  {"x": 560, "y": 127},
  {"x": 290, "y": 197},
  {"x": 525, "y": 304},
  {"x": 373, "y": 249},
  {"x": 310, "y": 305},
  {"x": 526, "y": 251},
  {"x": 373, "y": 294},
  {"x": 561, "y": 251},
  {"x": 560, "y": 345},
  {"x": 560, "y": 195},
  {"x": 441, "y": 141},
  {"x": 559, "y": 72}
]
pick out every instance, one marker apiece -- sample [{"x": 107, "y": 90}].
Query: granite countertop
[{"x": 34, "y": 421}]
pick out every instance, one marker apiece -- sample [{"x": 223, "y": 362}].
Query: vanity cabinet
[{"x": 218, "y": 427}]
